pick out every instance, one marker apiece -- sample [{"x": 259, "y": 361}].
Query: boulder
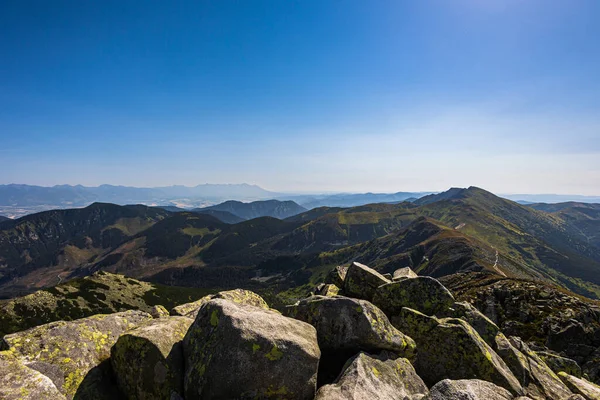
[
  {"x": 537, "y": 379},
  {"x": 159, "y": 312},
  {"x": 362, "y": 282},
  {"x": 375, "y": 378},
  {"x": 235, "y": 350},
  {"x": 560, "y": 364},
  {"x": 328, "y": 290},
  {"x": 403, "y": 273},
  {"x": 74, "y": 351},
  {"x": 450, "y": 348},
  {"x": 240, "y": 296},
  {"x": 467, "y": 389},
  {"x": 337, "y": 276},
  {"x": 343, "y": 323},
  {"x": 424, "y": 294},
  {"x": 19, "y": 382},
  {"x": 581, "y": 386},
  {"x": 148, "y": 361}
]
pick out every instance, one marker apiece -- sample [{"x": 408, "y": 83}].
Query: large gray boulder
[
  {"x": 148, "y": 361},
  {"x": 580, "y": 386},
  {"x": 238, "y": 351},
  {"x": 240, "y": 296},
  {"x": 375, "y": 378},
  {"x": 362, "y": 282},
  {"x": 343, "y": 323},
  {"x": 467, "y": 389},
  {"x": 75, "y": 351},
  {"x": 19, "y": 382},
  {"x": 450, "y": 348},
  {"x": 423, "y": 293},
  {"x": 537, "y": 379}
]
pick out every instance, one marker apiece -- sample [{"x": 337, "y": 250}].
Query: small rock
[
  {"x": 148, "y": 361},
  {"x": 240, "y": 296},
  {"x": 404, "y": 273},
  {"x": 423, "y": 293},
  {"x": 362, "y": 282},
  {"x": 467, "y": 389},
  {"x": 329, "y": 290},
  {"x": 337, "y": 276},
  {"x": 159, "y": 312},
  {"x": 375, "y": 378},
  {"x": 235, "y": 350}
]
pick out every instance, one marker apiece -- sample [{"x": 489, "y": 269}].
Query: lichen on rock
[
  {"x": 235, "y": 350},
  {"x": 148, "y": 361}
]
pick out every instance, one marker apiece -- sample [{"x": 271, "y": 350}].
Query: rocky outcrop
[
  {"x": 537, "y": 379},
  {"x": 18, "y": 382},
  {"x": 403, "y": 273},
  {"x": 362, "y": 282},
  {"x": 236, "y": 350},
  {"x": 580, "y": 386},
  {"x": 450, "y": 348},
  {"x": 68, "y": 351},
  {"x": 356, "y": 325},
  {"x": 148, "y": 361},
  {"x": 240, "y": 296},
  {"x": 423, "y": 293},
  {"x": 467, "y": 389},
  {"x": 375, "y": 378}
]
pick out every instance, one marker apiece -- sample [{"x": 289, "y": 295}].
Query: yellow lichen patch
[
  {"x": 275, "y": 354},
  {"x": 214, "y": 318}
]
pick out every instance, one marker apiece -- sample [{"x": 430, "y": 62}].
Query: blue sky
[{"x": 303, "y": 95}]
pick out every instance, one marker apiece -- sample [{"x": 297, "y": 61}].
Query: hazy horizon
[{"x": 380, "y": 97}]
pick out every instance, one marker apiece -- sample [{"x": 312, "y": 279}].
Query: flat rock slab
[
  {"x": 375, "y": 378},
  {"x": 238, "y": 351},
  {"x": 70, "y": 350},
  {"x": 148, "y": 361}
]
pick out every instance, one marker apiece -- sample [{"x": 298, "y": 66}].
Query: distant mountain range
[
  {"x": 454, "y": 231},
  {"x": 256, "y": 209}
]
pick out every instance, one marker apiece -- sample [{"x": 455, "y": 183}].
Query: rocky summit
[{"x": 360, "y": 335}]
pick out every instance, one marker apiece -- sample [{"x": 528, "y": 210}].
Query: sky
[{"x": 303, "y": 96}]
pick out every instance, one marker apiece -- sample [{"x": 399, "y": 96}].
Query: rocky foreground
[{"x": 362, "y": 335}]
